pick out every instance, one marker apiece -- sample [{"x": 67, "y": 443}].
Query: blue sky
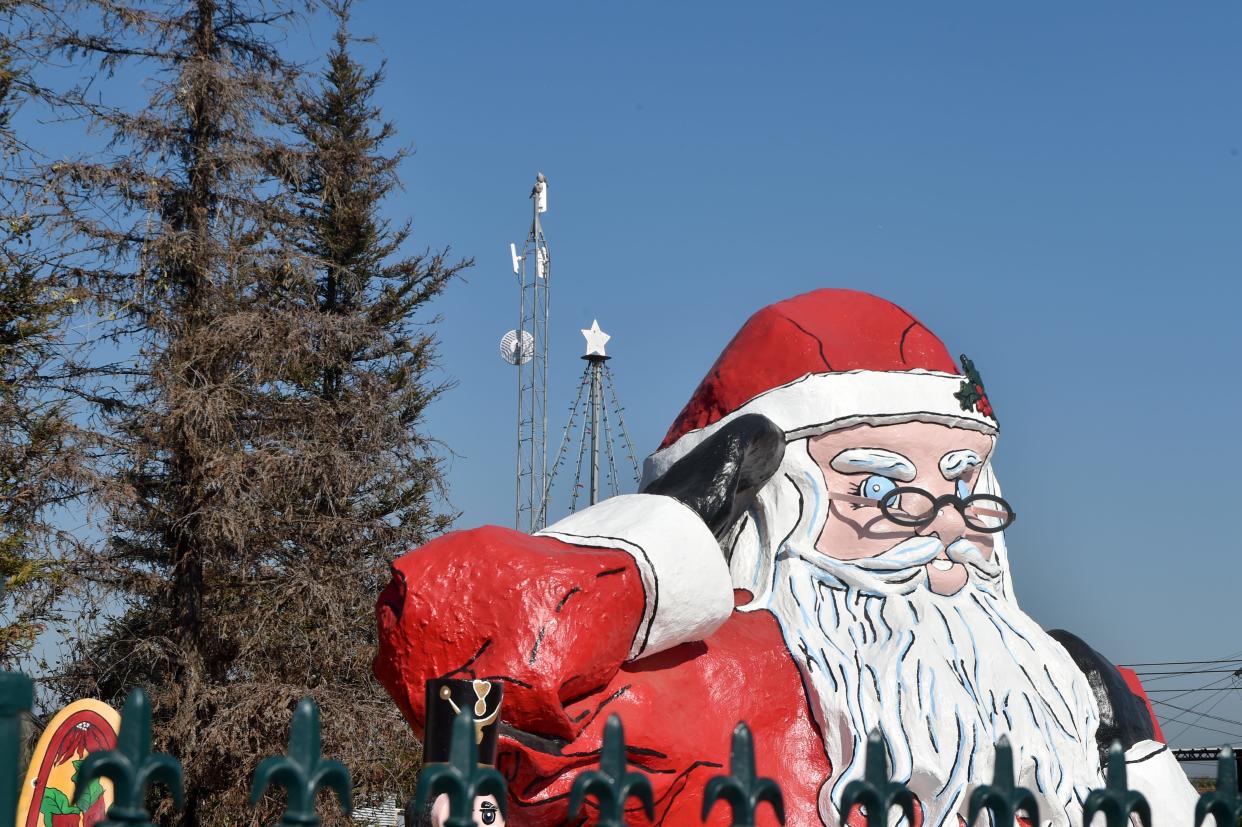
[{"x": 1051, "y": 188}]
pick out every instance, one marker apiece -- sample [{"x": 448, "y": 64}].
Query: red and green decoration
[
  {"x": 57, "y": 811},
  {"x": 971, "y": 395},
  {"x": 52, "y": 778}
]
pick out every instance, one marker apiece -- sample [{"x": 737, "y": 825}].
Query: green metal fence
[
  {"x": 302, "y": 772},
  {"x": 876, "y": 794}
]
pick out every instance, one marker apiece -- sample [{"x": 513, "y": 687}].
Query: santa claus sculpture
[{"x": 819, "y": 551}]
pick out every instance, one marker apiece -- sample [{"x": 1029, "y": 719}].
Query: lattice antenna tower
[
  {"x": 602, "y": 422},
  {"x": 526, "y": 348}
]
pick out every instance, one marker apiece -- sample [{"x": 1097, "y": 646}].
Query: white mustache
[
  {"x": 901, "y": 564},
  {"x": 967, "y": 553},
  {"x": 908, "y": 554}
]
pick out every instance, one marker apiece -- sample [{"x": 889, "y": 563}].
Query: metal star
[{"x": 595, "y": 339}]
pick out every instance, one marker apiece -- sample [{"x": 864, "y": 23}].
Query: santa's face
[
  {"x": 912, "y": 630},
  {"x": 867, "y": 462}
]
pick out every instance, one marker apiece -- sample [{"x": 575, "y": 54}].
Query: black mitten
[
  {"x": 1123, "y": 715},
  {"x": 721, "y": 476}
]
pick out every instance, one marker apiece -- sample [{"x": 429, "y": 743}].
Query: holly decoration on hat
[{"x": 971, "y": 395}]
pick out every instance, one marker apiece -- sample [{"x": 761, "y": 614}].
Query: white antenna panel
[{"x": 517, "y": 349}]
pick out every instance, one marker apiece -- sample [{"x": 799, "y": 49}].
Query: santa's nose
[{"x": 948, "y": 525}]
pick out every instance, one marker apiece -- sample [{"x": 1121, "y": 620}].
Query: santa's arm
[
  {"x": 1126, "y": 716},
  {"x": 1153, "y": 770},
  {"x": 551, "y": 616}
]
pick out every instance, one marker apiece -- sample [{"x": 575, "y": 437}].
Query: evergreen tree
[
  {"x": 266, "y": 458},
  {"x": 40, "y": 447},
  {"x": 174, "y": 225},
  {"x": 355, "y": 391}
]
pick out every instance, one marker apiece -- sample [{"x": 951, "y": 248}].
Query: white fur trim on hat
[{"x": 820, "y": 402}]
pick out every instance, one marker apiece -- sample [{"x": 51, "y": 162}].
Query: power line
[
  {"x": 1198, "y": 716},
  {"x": 1207, "y": 688},
  {"x": 1199, "y": 689},
  {"x": 1189, "y": 727},
  {"x": 1234, "y": 671},
  {"x": 1193, "y": 723},
  {"x": 1148, "y": 677},
  {"x": 1202, "y": 714},
  {"x": 1153, "y": 678},
  {"x": 1181, "y": 663}
]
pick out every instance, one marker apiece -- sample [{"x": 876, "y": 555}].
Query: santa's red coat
[{"x": 555, "y": 623}]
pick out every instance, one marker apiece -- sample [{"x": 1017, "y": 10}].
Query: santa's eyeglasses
[{"x": 916, "y": 508}]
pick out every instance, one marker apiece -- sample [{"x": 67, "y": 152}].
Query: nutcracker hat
[{"x": 827, "y": 360}]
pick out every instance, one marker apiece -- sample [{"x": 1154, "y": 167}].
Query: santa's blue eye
[
  {"x": 876, "y": 487},
  {"x": 963, "y": 490}
]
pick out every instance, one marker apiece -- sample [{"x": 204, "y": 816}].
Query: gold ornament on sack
[{"x": 481, "y": 690}]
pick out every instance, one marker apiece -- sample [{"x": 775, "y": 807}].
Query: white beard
[{"x": 942, "y": 678}]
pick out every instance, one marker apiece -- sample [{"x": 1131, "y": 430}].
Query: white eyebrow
[
  {"x": 875, "y": 460},
  {"x": 956, "y": 463}
]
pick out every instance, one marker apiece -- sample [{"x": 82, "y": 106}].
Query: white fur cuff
[
  {"x": 1152, "y": 770},
  {"x": 685, "y": 577}
]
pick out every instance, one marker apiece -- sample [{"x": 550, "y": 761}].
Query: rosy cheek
[{"x": 845, "y": 539}]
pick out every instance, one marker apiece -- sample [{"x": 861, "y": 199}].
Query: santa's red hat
[{"x": 826, "y": 360}]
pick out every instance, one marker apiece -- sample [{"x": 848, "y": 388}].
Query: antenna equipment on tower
[{"x": 526, "y": 348}]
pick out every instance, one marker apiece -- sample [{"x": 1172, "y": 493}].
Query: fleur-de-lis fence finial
[
  {"x": 742, "y": 788},
  {"x": 876, "y": 792},
  {"x": 1001, "y": 797},
  {"x": 462, "y": 778},
  {"x": 1116, "y": 801},
  {"x": 302, "y": 772},
  {"x": 131, "y": 767},
  {"x": 611, "y": 785},
  {"x": 1224, "y": 802}
]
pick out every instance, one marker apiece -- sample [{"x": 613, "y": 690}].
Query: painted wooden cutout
[
  {"x": 47, "y": 798},
  {"x": 819, "y": 551}
]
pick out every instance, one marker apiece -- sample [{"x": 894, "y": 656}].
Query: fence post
[
  {"x": 16, "y": 698},
  {"x": 1002, "y": 797},
  {"x": 1115, "y": 799},
  {"x": 1223, "y": 803},
  {"x": 462, "y": 778},
  {"x": 302, "y": 771},
  {"x": 611, "y": 785},
  {"x": 742, "y": 787},
  {"x": 876, "y": 791}
]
